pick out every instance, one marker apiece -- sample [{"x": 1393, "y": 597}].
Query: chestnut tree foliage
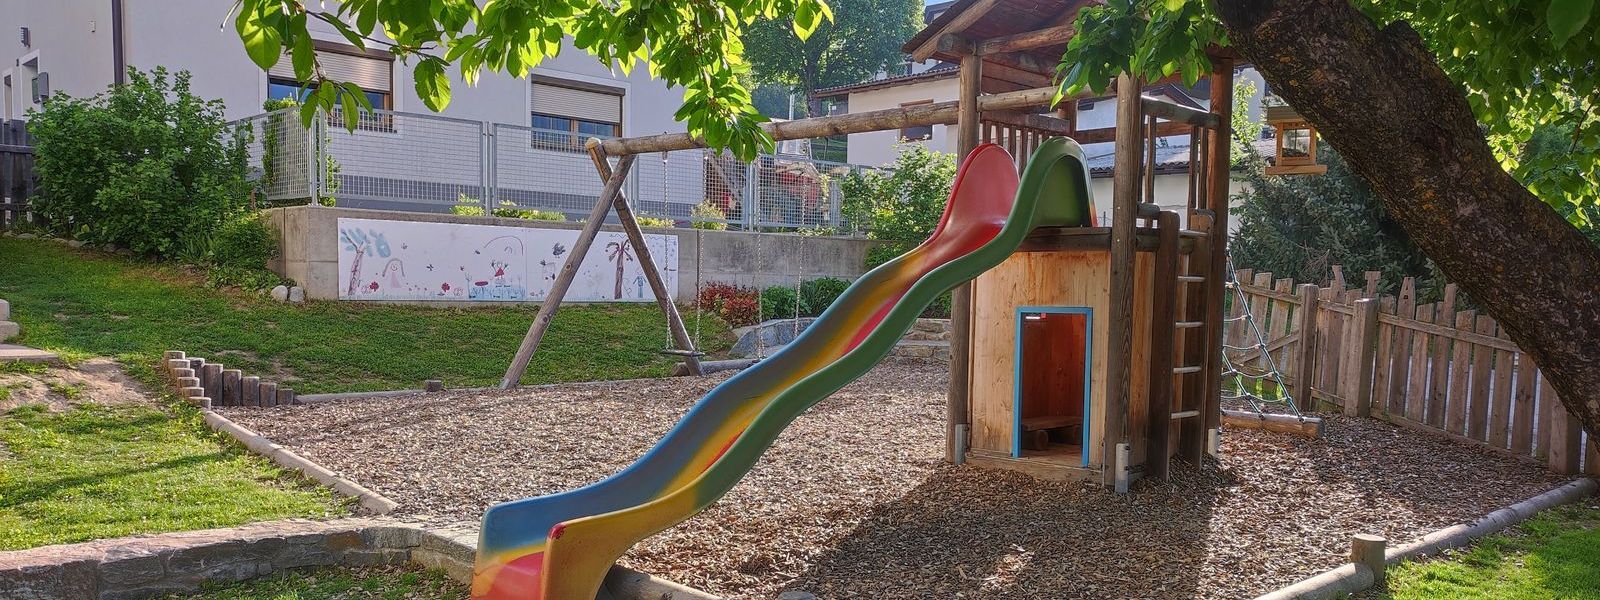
[
  {"x": 1522, "y": 66},
  {"x": 695, "y": 44}
]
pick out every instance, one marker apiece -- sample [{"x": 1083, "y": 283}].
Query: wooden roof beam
[
  {"x": 1172, "y": 111},
  {"x": 1015, "y": 66},
  {"x": 1028, "y": 40},
  {"x": 957, "y": 25}
]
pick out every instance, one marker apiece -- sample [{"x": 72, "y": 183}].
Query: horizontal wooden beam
[
  {"x": 1179, "y": 113},
  {"x": 1310, "y": 427},
  {"x": 1019, "y": 67},
  {"x": 1028, "y": 40},
  {"x": 938, "y": 113},
  {"x": 1108, "y": 134},
  {"x": 964, "y": 19},
  {"x": 1045, "y": 123}
]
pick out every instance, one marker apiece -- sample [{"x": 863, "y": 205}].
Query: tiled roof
[{"x": 939, "y": 71}]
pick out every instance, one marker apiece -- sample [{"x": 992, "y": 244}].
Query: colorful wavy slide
[{"x": 559, "y": 547}]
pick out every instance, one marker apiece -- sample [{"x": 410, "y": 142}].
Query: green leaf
[
  {"x": 1566, "y": 18},
  {"x": 352, "y": 111},
  {"x": 263, "y": 43},
  {"x": 304, "y": 57},
  {"x": 433, "y": 85}
]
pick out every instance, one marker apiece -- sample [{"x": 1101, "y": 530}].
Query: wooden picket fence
[
  {"x": 17, "y": 182},
  {"x": 1427, "y": 367}
]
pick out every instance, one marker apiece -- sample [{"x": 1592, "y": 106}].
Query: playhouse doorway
[{"x": 1052, "y": 391}]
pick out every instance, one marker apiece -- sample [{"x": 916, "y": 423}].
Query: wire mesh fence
[{"x": 431, "y": 163}]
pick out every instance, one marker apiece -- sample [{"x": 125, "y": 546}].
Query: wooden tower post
[
  {"x": 958, "y": 397},
  {"x": 1124, "y": 209}
]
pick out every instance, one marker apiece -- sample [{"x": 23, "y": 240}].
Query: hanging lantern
[{"x": 1296, "y": 142}]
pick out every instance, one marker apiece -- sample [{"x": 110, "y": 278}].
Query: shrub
[
  {"x": 244, "y": 278},
  {"x": 509, "y": 209},
  {"x": 903, "y": 205},
  {"x": 817, "y": 295},
  {"x": 939, "y": 308},
  {"x": 780, "y": 302},
  {"x": 707, "y": 216},
  {"x": 246, "y": 241},
  {"x": 467, "y": 206},
  {"x": 738, "y": 306},
  {"x": 139, "y": 165},
  {"x": 741, "y": 311},
  {"x": 656, "y": 222}
]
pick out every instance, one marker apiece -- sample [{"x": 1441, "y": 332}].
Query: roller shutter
[
  {"x": 572, "y": 103},
  {"x": 372, "y": 74}
]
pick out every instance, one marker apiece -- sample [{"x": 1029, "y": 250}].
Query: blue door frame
[{"x": 1088, "y": 373}]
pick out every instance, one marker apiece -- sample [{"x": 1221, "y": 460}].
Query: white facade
[{"x": 71, "y": 40}]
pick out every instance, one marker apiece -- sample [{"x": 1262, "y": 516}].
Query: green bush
[
  {"x": 139, "y": 165},
  {"x": 706, "y": 215},
  {"x": 509, "y": 209},
  {"x": 939, "y": 308},
  {"x": 903, "y": 205},
  {"x": 246, "y": 241},
  {"x": 817, "y": 295},
  {"x": 779, "y": 302},
  {"x": 467, "y": 206},
  {"x": 244, "y": 278},
  {"x": 656, "y": 222}
]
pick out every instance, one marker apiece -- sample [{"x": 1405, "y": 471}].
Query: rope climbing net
[{"x": 1248, "y": 383}]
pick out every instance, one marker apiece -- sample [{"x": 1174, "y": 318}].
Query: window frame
[
  {"x": 375, "y": 121},
  {"x": 903, "y": 130},
  {"x": 541, "y": 137}
]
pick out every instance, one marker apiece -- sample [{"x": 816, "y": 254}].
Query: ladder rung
[
  {"x": 1188, "y": 324},
  {"x": 1191, "y": 233},
  {"x": 1184, "y": 414},
  {"x": 1186, "y": 370},
  {"x": 1191, "y": 278}
]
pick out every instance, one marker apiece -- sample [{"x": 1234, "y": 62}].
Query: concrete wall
[
  {"x": 309, "y": 239},
  {"x": 73, "y": 42}
]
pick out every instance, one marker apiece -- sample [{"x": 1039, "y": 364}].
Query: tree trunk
[{"x": 1380, "y": 98}]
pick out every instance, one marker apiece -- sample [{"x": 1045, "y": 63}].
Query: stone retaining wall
[{"x": 154, "y": 566}]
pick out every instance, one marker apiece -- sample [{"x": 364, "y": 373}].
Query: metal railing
[{"x": 432, "y": 163}]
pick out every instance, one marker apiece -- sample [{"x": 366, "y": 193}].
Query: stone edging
[
  {"x": 1352, "y": 577},
  {"x": 197, "y": 390},
  {"x": 259, "y": 444},
  {"x": 153, "y": 566}
]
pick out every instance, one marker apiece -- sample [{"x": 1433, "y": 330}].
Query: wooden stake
[
  {"x": 647, "y": 263},
  {"x": 569, "y": 270},
  {"x": 1362, "y": 354}
]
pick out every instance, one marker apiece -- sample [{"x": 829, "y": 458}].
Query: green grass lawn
[
  {"x": 97, "y": 471},
  {"x": 1554, "y": 555},
  {"x": 84, "y": 303},
  {"x": 341, "y": 584}
]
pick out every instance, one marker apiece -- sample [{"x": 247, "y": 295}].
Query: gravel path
[{"x": 854, "y": 502}]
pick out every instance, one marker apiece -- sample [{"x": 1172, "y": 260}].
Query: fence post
[
  {"x": 1564, "y": 433},
  {"x": 314, "y": 160},
  {"x": 1358, "y": 360},
  {"x": 486, "y": 160},
  {"x": 752, "y": 194},
  {"x": 1305, "y": 364}
]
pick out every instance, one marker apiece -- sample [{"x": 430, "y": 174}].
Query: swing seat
[{"x": 678, "y": 352}]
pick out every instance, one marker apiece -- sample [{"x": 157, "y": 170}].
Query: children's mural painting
[{"x": 411, "y": 260}]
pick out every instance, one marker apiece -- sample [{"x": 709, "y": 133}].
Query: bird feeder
[{"x": 1297, "y": 143}]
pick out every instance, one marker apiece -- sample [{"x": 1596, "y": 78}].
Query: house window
[
  {"x": 566, "y": 113},
  {"x": 920, "y": 132},
  {"x": 370, "y": 71}
]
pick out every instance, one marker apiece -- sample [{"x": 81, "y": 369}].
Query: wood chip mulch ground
[{"x": 853, "y": 501}]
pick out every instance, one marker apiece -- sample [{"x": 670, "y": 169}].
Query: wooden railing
[{"x": 1428, "y": 367}]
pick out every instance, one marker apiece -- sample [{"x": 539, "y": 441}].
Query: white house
[{"x": 409, "y": 160}]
